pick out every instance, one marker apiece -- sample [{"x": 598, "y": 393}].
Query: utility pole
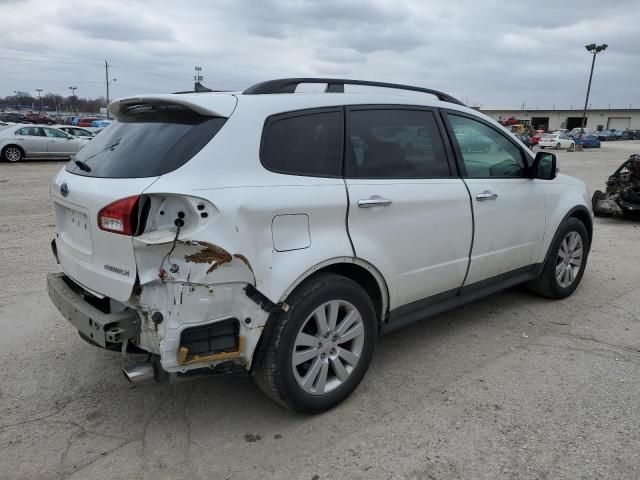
[
  {"x": 39, "y": 90},
  {"x": 106, "y": 75},
  {"x": 594, "y": 50}
]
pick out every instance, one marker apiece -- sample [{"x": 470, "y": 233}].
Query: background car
[
  {"x": 576, "y": 131},
  {"x": 34, "y": 141},
  {"x": 86, "y": 121},
  {"x": 40, "y": 118},
  {"x": 557, "y": 141},
  {"x": 100, "y": 123},
  {"x": 75, "y": 131},
  {"x": 588, "y": 141},
  {"x": 620, "y": 135},
  {"x": 14, "y": 117},
  {"x": 604, "y": 135}
]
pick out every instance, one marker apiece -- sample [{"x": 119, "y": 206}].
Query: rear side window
[
  {"x": 146, "y": 141},
  {"x": 307, "y": 143},
  {"x": 394, "y": 143}
]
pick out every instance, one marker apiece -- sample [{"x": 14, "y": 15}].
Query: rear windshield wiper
[{"x": 82, "y": 166}]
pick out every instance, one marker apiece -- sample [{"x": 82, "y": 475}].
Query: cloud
[
  {"x": 115, "y": 24},
  {"x": 491, "y": 52}
]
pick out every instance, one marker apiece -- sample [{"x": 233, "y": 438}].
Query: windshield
[{"x": 146, "y": 141}]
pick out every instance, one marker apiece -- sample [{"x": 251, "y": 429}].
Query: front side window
[
  {"x": 394, "y": 143},
  {"x": 304, "y": 143},
  {"x": 486, "y": 152}
]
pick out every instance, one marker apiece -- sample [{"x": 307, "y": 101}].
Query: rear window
[{"x": 146, "y": 141}]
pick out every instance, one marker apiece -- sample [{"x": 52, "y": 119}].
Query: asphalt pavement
[{"x": 509, "y": 387}]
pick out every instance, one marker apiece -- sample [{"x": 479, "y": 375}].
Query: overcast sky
[{"x": 494, "y": 53}]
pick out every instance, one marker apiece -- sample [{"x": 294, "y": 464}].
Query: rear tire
[
  {"x": 560, "y": 277},
  {"x": 297, "y": 336},
  {"x": 12, "y": 153}
]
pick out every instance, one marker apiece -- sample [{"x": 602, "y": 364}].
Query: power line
[{"x": 45, "y": 61}]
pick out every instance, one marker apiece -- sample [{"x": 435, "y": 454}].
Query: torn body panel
[{"x": 197, "y": 283}]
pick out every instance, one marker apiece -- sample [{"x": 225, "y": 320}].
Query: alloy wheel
[
  {"x": 569, "y": 259},
  {"x": 12, "y": 154},
  {"x": 328, "y": 347}
]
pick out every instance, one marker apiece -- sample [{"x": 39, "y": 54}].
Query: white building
[{"x": 550, "y": 120}]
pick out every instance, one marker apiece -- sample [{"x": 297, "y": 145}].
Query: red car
[
  {"x": 39, "y": 118},
  {"x": 86, "y": 121},
  {"x": 535, "y": 139}
]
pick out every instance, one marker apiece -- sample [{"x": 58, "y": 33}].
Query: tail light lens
[{"x": 120, "y": 216}]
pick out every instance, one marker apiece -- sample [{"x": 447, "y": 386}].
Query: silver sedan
[{"x": 37, "y": 142}]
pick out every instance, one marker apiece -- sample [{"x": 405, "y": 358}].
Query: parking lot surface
[{"x": 512, "y": 386}]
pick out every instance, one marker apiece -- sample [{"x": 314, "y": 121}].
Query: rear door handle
[
  {"x": 486, "y": 195},
  {"x": 374, "y": 202}
]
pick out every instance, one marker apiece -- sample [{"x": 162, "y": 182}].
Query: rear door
[
  {"x": 409, "y": 212},
  {"x": 33, "y": 141},
  {"x": 147, "y": 141},
  {"x": 508, "y": 205}
]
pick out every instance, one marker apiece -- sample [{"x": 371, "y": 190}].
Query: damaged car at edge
[
  {"x": 281, "y": 233},
  {"x": 622, "y": 195}
]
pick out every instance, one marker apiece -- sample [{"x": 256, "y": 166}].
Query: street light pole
[
  {"x": 594, "y": 50},
  {"x": 39, "y": 90},
  {"x": 73, "y": 96}
]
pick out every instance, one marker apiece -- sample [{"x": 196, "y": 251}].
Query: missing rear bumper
[{"x": 106, "y": 330}]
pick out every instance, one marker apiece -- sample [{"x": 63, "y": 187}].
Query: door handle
[
  {"x": 486, "y": 195},
  {"x": 374, "y": 202}
]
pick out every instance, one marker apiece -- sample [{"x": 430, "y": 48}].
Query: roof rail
[{"x": 336, "y": 85}]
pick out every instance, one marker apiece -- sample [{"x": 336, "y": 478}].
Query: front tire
[
  {"x": 565, "y": 262},
  {"x": 319, "y": 350},
  {"x": 558, "y": 146},
  {"x": 12, "y": 153}
]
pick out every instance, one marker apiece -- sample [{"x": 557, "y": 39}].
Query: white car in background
[
  {"x": 557, "y": 141},
  {"x": 36, "y": 141}
]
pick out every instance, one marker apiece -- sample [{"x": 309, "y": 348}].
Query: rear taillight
[{"x": 120, "y": 216}]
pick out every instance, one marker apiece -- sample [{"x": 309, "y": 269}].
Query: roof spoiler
[{"x": 216, "y": 105}]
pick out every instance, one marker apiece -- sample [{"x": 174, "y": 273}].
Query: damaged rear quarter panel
[{"x": 213, "y": 264}]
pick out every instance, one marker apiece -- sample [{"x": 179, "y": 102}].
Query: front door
[
  {"x": 409, "y": 214},
  {"x": 58, "y": 144},
  {"x": 508, "y": 206}
]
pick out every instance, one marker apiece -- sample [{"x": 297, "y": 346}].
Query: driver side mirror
[{"x": 545, "y": 166}]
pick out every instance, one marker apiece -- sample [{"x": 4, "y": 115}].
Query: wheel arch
[
  {"x": 358, "y": 270},
  {"x": 579, "y": 212}
]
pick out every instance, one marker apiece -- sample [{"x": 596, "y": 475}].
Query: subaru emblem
[{"x": 64, "y": 189}]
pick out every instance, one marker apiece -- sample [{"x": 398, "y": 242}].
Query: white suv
[{"x": 282, "y": 232}]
